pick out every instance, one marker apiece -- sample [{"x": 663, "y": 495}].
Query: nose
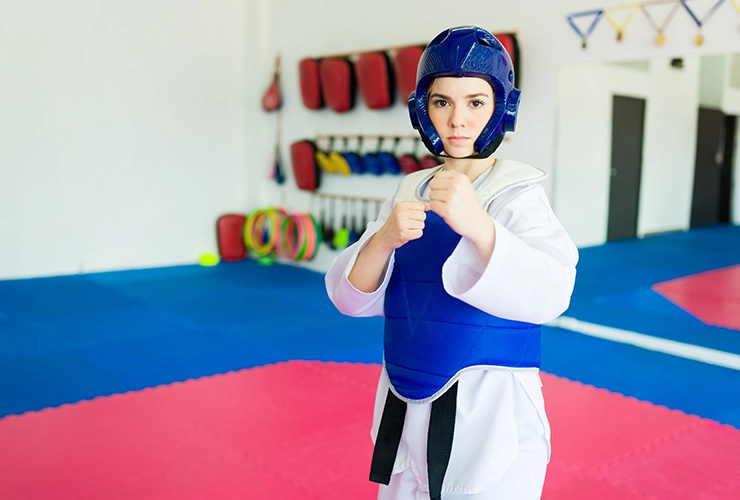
[{"x": 457, "y": 117}]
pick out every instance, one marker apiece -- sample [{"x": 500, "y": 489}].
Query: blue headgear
[{"x": 466, "y": 51}]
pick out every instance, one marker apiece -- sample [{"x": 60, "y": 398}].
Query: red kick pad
[
  {"x": 405, "y": 64},
  {"x": 374, "y": 80},
  {"x": 337, "y": 83},
  {"x": 712, "y": 296},
  {"x": 300, "y": 430},
  {"x": 230, "y": 235},
  {"x": 310, "y": 83}
]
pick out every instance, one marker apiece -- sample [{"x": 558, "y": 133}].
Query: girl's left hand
[{"x": 453, "y": 198}]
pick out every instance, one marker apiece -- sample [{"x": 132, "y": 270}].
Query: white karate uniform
[{"x": 501, "y": 444}]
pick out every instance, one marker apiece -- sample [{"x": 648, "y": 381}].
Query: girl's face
[{"x": 459, "y": 109}]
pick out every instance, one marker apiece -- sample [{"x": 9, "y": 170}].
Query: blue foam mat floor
[
  {"x": 614, "y": 280},
  {"x": 70, "y": 338}
]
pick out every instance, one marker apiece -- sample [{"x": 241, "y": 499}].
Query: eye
[
  {"x": 477, "y": 104},
  {"x": 439, "y": 103}
]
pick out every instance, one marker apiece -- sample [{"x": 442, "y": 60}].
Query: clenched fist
[
  {"x": 405, "y": 223},
  {"x": 453, "y": 198}
]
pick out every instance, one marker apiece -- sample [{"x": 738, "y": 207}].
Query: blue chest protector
[{"x": 430, "y": 336}]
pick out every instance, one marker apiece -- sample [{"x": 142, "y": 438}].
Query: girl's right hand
[{"x": 405, "y": 223}]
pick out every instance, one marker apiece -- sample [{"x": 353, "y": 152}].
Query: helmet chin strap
[{"x": 474, "y": 156}]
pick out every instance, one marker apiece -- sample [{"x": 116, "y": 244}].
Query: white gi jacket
[{"x": 529, "y": 277}]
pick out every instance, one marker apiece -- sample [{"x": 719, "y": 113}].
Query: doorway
[
  {"x": 715, "y": 150},
  {"x": 628, "y": 124}
]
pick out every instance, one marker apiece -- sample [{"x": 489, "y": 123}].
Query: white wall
[
  {"x": 127, "y": 128},
  {"x": 730, "y": 103},
  {"x": 734, "y": 71},
  {"x": 669, "y": 147},
  {"x": 583, "y": 151},
  {"x": 712, "y": 81},
  {"x": 121, "y": 132},
  {"x": 731, "y": 106}
]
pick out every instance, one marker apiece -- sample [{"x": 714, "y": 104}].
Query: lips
[{"x": 458, "y": 140}]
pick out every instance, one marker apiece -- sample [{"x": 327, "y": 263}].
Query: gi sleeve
[
  {"x": 345, "y": 297},
  {"x": 531, "y": 273}
]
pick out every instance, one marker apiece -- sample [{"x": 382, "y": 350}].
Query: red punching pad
[
  {"x": 405, "y": 63},
  {"x": 428, "y": 162},
  {"x": 337, "y": 83},
  {"x": 305, "y": 170},
  {"x": 409, "y": 164},
  {"x": 230, "y": 235},
  {"x": 308, "y": 74},
  {"x": 375, "y": 80}
]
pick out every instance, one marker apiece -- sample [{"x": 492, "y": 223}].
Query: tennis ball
[
  {"x": 208, "y": 259},
  {"x": 266, "y": 260}
]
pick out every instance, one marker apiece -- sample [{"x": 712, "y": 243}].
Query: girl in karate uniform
[{"x": 465, "y": 262}]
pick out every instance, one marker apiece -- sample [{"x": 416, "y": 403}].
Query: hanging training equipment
[
  {"x": 341, "y": 237},
  {"x": 271, "y": 101},
  {"x": 405, "y": 64},
  {"x": 327, "y": 231},
  {"x": 353, "y": 157},
  {"x": 277, "y": 169},
  {"x": 339, "y": 162},
  {"x": 353, "y": 229},
  {"x": 635, "y": 8},
  {"x": 388, "y": 160},
  {"x": 371, "y": 162},
  {"x": 305, "y": 168},
  {"x": 374, "y": 74},
  {"x": 322, "y": 158},
  {"x": 409, "y": 162},
  {"x": 338, "y": 86},
  {"x": 584, "y": 36},
  {"x": 310, "y": 83}
]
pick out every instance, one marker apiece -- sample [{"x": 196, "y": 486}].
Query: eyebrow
[{"x": 469, "y": 96}]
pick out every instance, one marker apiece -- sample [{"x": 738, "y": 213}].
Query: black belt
[{"x": 439, "y": 439}]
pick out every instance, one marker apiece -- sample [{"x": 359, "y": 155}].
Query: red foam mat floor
[
  {"x": 712, "y": 296},
  {"x": 300, "y": 430}
]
